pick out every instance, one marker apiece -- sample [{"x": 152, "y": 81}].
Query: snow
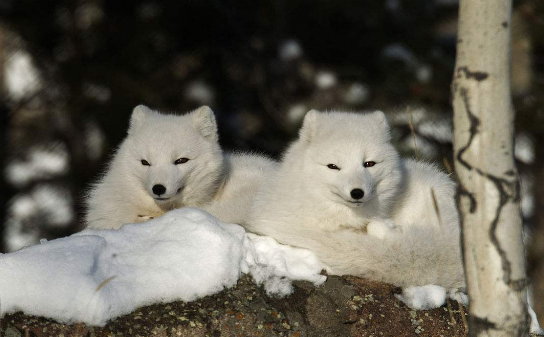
[
  {"x": 458, "y": 296},
  {"x": 357, "y": 93},
  {"x": 524, "y": 148},
  {"x": 42, "y": 162},
  {"x": 97, "y": 275},
  {"x": 275, "y": 265},
  {"x": 21, "y": 77},
  {"x": 296, "y": 113},
  {"x": 47, "y": 203},
  {"x": 400, "y": 52},
  {"x": 534, "y": 328},
  {"x": 55, "y": 203},
  {"x": 424, "y": 297},
  {"x": 290, "y": 50},
  {"x": 200, "y": 92},
  {"x": 432, "y": 296},
  {"x": 440, "y": 130},
  {"x": 424, "y": 73},
  {"x": 97, "y": 92},
  {"x": 325, "y": 80},
  {"x": 527, "y": 197},
  {"x": 95, "y": 141},
  {"x": 17, "y": 235}
]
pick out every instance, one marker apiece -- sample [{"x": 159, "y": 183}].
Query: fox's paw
[
  {"x": 382, "y": 228},
  {"x": 144, "y": 218}
]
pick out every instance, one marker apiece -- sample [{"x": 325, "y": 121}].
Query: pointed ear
[
  {"x": 139, "y": 115},
  {"x": 309, "y": 126},
  {"x": 204, "y": 121},
  {"x": 379, "y": 118}
]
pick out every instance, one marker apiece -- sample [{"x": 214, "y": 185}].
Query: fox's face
[
  {"x": 349, "y": 157},
  {"x": 172, "y": 156}
]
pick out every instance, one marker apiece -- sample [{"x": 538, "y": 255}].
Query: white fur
[
  {"x": 243, "y": 175},
  {"x": 209, "y": 179},
  {"x": 307, "y": 204}
]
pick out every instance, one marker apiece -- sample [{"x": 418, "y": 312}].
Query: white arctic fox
[
  {"x": 343, "y": 192},
  {"x": 169, "y": 161}
]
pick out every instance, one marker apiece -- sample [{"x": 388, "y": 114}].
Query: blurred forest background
[{"x": 73, "y": 70}]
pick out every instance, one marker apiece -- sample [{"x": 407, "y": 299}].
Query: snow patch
[
  {"x": 21, "y": 77},
  {"x": 325, "y": 80},
  {"x": 200, "y": 92},
  {"x": 534, "y": 328},
  {"x": 290, "y": 50},
  {"x": 400, "y": 52},
  {"x": 357, "y": 93},
  {"x": 458, "y": 296},
  {"x": 55, "y": 203},
  {"x": 18, "y": 236},
  {"x": 424, "y": 73},
  {"x": 275, "y": 265},
  {"x": 423, "y": 298},
  {"x": 99, "y": 93},
  {"x": 95, "y": 141},
  {"x": 296, "y": 113},
  {"x": 524, "y": 148},
  {"x": 41, "y": 163},
  {"x": 97, "y": 275}
]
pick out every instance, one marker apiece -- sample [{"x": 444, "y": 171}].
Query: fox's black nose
[
  {"x": 159, "y": 189},
  {"x": 357, "y": 193}
]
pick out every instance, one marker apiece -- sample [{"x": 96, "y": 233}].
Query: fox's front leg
[
  {"x": 145, "y": 217},
  {"x": 382, "y": 228}
]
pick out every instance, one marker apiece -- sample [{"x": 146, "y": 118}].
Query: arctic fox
[
  {"x": 343, "y": 192},
  {"x": 169, "y": 161}
]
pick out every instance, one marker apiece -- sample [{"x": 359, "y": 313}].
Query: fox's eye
[
  {"x": 333, "y": 167},
  {"x": 145, "y": 162},
  {"x": 369, "y": 163},
  {"x": 181, "y": 161}
]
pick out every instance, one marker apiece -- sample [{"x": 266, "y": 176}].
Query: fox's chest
[{"x": 337, "y": 218}]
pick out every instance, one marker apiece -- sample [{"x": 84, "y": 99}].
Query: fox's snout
[
  {"x": 357, "y": 193},
  {"x": 159, "y": 189}
]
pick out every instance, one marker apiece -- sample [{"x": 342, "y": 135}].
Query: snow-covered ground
[{"x": 97, "y": 275}]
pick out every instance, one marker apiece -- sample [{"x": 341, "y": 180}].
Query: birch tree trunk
[{"x": 488, "y": 194}]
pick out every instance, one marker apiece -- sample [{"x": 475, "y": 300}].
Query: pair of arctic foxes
[{"x": 341, "y": 190}]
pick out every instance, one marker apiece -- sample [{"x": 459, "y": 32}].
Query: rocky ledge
[{"x": 343, "y": 306}]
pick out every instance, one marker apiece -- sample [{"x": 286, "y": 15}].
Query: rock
[{"x": 343, "y": 306}]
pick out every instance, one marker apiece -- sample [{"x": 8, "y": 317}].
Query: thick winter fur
[
  {"x": 392, "y": 234},
  {"x": 205, "y": 177}
]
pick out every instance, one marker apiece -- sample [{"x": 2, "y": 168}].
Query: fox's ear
[
  {"x": 139, "y": 115},
  {"x": 204, "y": 121},
  {"x": 381, "y": 120},
  {"x": 309, "y": 126}
]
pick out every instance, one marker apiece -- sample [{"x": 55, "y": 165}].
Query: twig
[
  {"x": 462, "y": 310},
  {"x": 453, "y": 321},
  {"x": 106, "y": 281},
  {"x": 436, "y": 209},
  {"x": 447, "y": 165},
  {"x": 412, "y": 130}
]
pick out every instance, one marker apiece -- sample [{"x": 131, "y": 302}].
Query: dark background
[{"x": 74, "y": 70}]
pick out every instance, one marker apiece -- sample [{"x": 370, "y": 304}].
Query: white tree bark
[{"x": 489, "y": 191}]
